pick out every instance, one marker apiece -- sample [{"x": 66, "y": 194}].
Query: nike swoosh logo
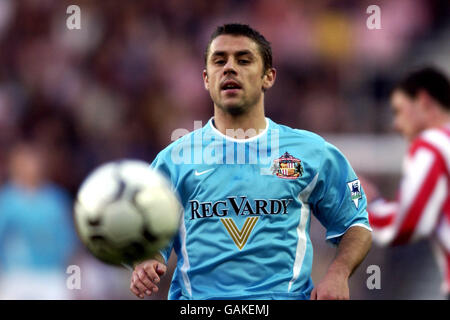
[{"x": 202, "y": 172}]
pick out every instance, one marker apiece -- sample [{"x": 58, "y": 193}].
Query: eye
[
  {"x": 243, "y": 61},
  {"x": 219, "y": 62}
]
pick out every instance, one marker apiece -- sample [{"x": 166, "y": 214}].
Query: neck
[
  {"x": 28, "y": 184},
  {"x": 439, "y": 120},
  {"x": 241, "y": 126}
]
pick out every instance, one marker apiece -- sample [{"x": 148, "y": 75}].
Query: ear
[
  {"x": 269, "y": 79},
  {"x": 205, "y": 79},
  {"x": 424, "y": 100}
]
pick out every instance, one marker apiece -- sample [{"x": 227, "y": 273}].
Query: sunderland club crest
[{"x": 287, "y": 167}]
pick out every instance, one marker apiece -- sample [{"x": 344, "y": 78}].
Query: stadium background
[{"x": 118, "y": 87}]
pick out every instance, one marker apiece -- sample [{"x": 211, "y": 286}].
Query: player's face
[
  {"x": 234, "y": 74},
  {"x": 408, "y": 117},
  {"x": 27, "y": 166}
]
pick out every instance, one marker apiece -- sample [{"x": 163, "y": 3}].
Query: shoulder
[
  {"x": 55, "y": 194},
  {"x": 436, "y": 140},
  {"x": 315, "y": 146},
  {"x": 436, "y": 136},
  {"x": 182, "y": 142},
  {"x": 55, "y": 190},
  {"x": 301, "y": 136},
  {"x": 6, "y": 192},
  {"x": 9, "y": 191},
  {"x": 313, "y": 140}
]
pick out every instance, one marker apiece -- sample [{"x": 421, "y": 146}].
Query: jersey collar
[{"x": 217, "y": 132}]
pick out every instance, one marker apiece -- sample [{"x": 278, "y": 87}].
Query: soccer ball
[{"x": 125, "y": 212}]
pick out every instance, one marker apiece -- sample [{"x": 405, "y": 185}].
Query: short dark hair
[
  {"x": 238, "y": 29},
  {"x": 433, "y": 81}
]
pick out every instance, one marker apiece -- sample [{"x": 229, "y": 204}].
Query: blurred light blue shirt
[{"x": 36, "y": 232}]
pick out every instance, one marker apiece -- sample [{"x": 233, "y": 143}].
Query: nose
[{"x": 229, "y": 67}]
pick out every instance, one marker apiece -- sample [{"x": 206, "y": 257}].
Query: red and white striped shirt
[{"x": 422, "y": 208}]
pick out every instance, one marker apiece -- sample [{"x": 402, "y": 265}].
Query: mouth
[{"x": 230, "y": 86}]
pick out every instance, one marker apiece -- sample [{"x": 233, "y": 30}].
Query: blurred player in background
[
  {"x": 36, "y": 236},
  {"x": 421, "y": 106},
  {"x": 245, "y": 233}
]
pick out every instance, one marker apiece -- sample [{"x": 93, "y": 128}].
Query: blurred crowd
[{"x": 131, "y": 75}]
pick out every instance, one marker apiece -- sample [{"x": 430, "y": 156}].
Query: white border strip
[
  {"x": 353, "y": 225},
  {"x": 305, "y": 213},
  {"x": 185, "y": 267}
]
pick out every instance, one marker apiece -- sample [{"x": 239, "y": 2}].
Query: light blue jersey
[
  {"x": 247, "y": 210},
  {"x": 35, "y": 229}
]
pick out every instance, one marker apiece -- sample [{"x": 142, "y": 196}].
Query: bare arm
[{"x": 352, "y": 250}]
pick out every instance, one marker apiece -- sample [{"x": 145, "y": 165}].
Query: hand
[
  {"x": 332, "y": 287},
  {"x": 146, "y": 276}
]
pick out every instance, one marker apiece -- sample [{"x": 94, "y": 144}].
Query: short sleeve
[
  {"x": 338, "y": 199},
  {"x": 163, "y": 167}
]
